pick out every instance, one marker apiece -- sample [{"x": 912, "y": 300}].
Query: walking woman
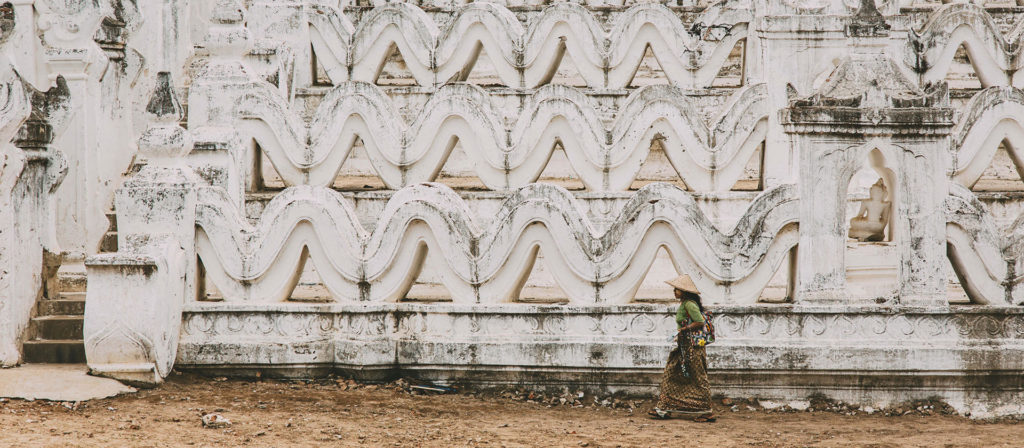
[{"x": 685, "y": 389}]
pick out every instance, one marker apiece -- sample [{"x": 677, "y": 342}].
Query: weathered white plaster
[
  {"x": 776, "y": 352},
  {"x": 18, "y": 281},
  {"x": 479, "y": 156},
  {"x": 262, "y": 262},
  {"x": 706, "y": 158},
  {"x": 30, "y": 170},
  {"x": 527, "y": 55},
  {"x": 135, "y": 297}
]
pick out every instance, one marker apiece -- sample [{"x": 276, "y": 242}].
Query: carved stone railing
[
  {"x": 980, "y": 254},
  {"x": 996, "y": 59},
  {"x": 447, "y": 5},
  {"x": 524, "y": 56},
  {"x": 992, "y": 117},
  {"x": 261, "y": 263},
  {"x": 606, "y": 158}
]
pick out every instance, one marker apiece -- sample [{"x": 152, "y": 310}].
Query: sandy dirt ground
[{"x": 341, "y": 413}]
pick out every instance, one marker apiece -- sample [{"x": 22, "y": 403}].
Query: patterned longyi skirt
[{"x": 686, "y": 394}]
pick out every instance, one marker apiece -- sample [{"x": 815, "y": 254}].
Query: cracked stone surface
[{"x": 57, "y": 382}]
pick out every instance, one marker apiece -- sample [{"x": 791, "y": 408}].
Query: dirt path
[{"x": 331, "y": 413}]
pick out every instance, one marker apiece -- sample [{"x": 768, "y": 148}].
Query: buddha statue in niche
[{"x": 870, "y": 222}]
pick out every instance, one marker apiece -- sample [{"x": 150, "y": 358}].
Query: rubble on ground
[{"x": 568, "y": 397}]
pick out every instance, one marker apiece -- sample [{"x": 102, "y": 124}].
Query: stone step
[
  {"x": 58, "y": 327},
  {"x": 61, "y": 307},
  {"x": 109, "y": 243},
  {"x": 112, "y": 218},
  {"x": 72, "y": 295},
  {"x": 71, "y": 282},
  {"x": 58, "y": 351}
]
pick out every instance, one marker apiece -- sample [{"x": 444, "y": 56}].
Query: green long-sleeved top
[{"x": 690, "y": 308}]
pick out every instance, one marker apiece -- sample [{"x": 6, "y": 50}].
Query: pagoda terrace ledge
[{"x": 969, "y": 356}]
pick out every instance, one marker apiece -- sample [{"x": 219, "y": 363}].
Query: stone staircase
[
  {"x": 55, "y": 333},
  {"x": 109, "y": 242}
]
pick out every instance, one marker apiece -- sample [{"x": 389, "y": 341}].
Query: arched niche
[
  {"x": 872, "y": 267},
  {"x": 875, "y": 167},
  {"x": 835, "y": 138}
]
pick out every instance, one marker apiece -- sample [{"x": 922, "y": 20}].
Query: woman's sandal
[{"x": 658, "y": 414}]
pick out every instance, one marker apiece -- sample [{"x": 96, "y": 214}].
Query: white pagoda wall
[{"x": 599, "y": 149}]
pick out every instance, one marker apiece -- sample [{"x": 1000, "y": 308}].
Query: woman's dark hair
[{"x": 694, "y": 297}]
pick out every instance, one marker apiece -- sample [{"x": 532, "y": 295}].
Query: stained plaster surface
[{"x": 57, "y": 382}]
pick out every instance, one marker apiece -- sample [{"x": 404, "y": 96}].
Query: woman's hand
[{"x": 691, "y": 326}]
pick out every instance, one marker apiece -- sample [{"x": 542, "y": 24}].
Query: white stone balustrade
[
  {"x": 993, "y": 116},
  {"x": 996, "y": 59},
  {"x": 262, "y": 262},
  {"x": 707, "y": 158},
  {"x": 525, "y": 56}
]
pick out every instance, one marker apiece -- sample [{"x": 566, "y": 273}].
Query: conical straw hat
[{"x": 683, "y": 283}]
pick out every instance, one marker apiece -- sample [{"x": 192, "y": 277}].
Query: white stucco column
[{"x": 135, "y": 296}]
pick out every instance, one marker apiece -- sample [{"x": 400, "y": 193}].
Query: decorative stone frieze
[{"x": 622, "y": 348}]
